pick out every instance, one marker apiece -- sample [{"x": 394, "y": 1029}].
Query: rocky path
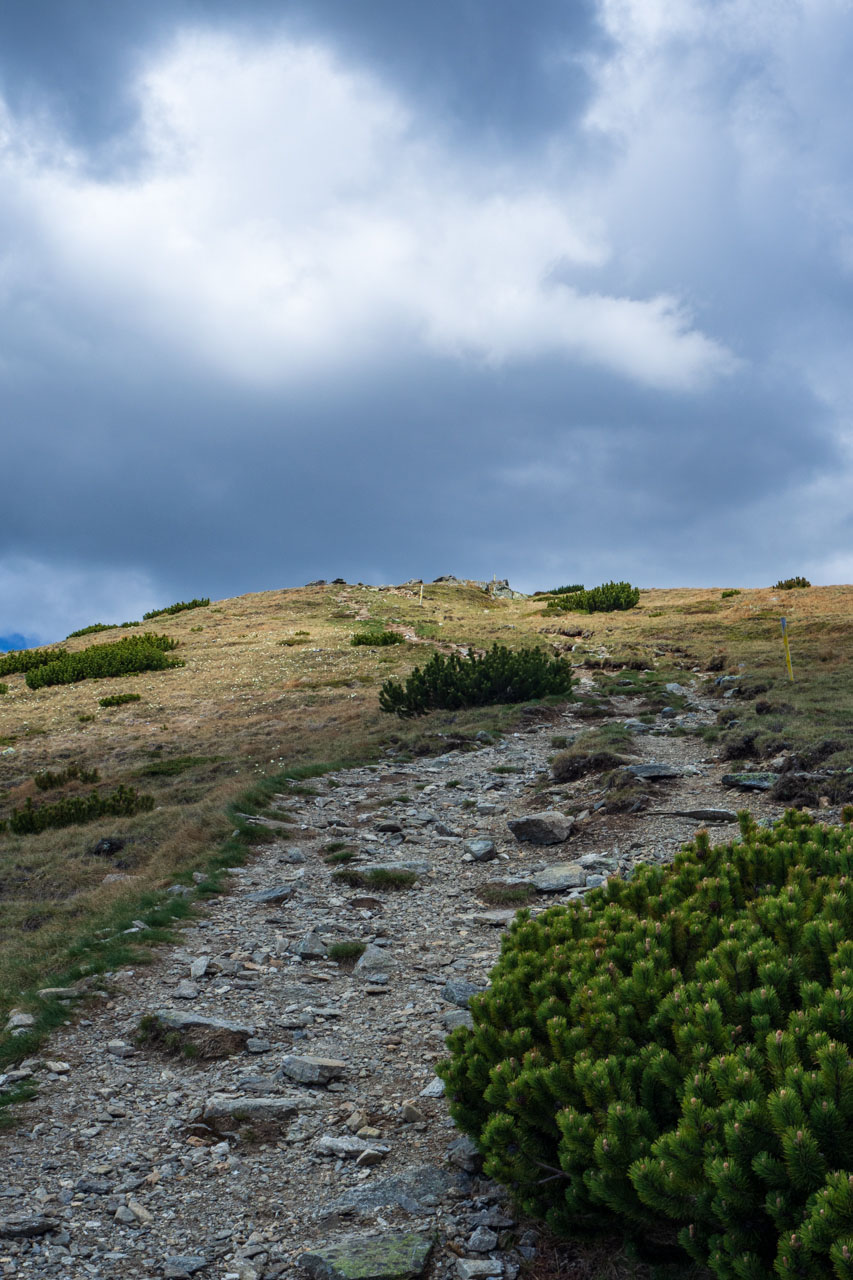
[{"x": 324, "y": 1125}]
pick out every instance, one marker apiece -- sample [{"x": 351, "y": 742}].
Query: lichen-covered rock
[{"x": 395, "y": 1256}]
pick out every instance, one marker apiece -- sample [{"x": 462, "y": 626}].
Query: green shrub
[
  {"x": 4, "y": 688},
  {"x": 73, "y": 810},
  {"x": 376, "y": 878},
  {"x": 119, "y": 699},
  {"x": 732, "y": 591},
  {"x": 677, "y": 1051},
  {"x": 501, "y": 675},
  {"x": 134, "y": 653},
  {"x": 88, "y": 631},
  {"x": 561, "y": 591},
  {"x": 180, "y": 607},
  {"x": 24, "y": 660},
  {"x": 377, "y": 638},
  {"x": 47, "y": 781},
  {"x": 344, "y": 951},
  {"x": 787, "y": 584},
  {"x": 608, "y": 598}
]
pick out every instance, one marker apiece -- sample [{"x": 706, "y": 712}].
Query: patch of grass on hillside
[
  {"x": 180, "y": 607},
  {"x": 172, "y": 768}
]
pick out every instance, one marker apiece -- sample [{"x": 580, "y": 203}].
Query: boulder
[
  {"x": 547, "y": 827},
  {"x": 395, "y": 1255}
]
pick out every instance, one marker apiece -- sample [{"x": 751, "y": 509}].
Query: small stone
[
  {"x": 187, "y": 990},
  {"x": 120, "y": 1049},
  {"x": 457, "y": 1018},
  {"x": 179, "y": 1267},
  {"x": 307, "y": 1069},
  {"x": 254, "y": 1045},
  {"x": 279, "y": 893},
  {"x": 459, "y": 991},
  {"x": 374, "y": 960},
  {"x": 410, "y": 1114},
  {"x": 20, "y": 1226},
  {"x": 482, "y": 1240},
  {"x": 559, "y": 876},
  {"x": 293, "y": 856},
  {"x": 653, "y": 770},
  {"x": 19, "y": 1019},
  {"x": 348, "y": 1148},
  {"x": 123, "y": 1214},
  {"x": 463, "y": 1153},
  {"x": 478, "y": 1268},
  {"x": 481, "y": 850},
  {"x": 595, "y": 881},
  {"x": 267, "y": 1111},
  {"x": 547, "y": 827},
  {"x": 435, "y": 1089},
  {"x": 199, "y": 967},
  {"x": 58, "y": 1068},
  {"x": 312, "y": 947}
]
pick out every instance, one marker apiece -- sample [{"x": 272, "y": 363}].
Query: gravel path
[{"x": 139, "y": 1162}]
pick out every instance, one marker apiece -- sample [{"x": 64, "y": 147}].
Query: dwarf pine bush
[
  {"x": 377, "y": 638},
  {"x": 679, "y": 1049},
  {"x": 608, "y": 598},
  {"x": 134, "y": 653},
  {"x": 788, "y": 584},
  {"x": 90, "y": 630},
  {"x": 73, "y": 810},
  {"x": 501, "y": 675},
  {"x": 23, "y": 660},
  {"x": 48, "y": 781},
  {"x": 4, "y": 688},
  {"x": 179, "y": 607},
  {"x": 119, "y": 699}
]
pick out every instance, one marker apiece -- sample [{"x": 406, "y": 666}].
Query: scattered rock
[
  {"x": 21, "y": 1226},
  {"x": 459, "y": 991},
  {"x": 245, "y": 1110},
  {"x": 749, "y": 781},
  {"x": 210, "y": 1037},
  {"x": 481, "y": 850},
  {"x": 478, "y": 1268},
  {"x": 280, "y": 893},
  {"x": 547, "y": 827},
  {"x": 653, "y": 771},
  {"x": 310, "y": 1070},
  {"x": 181, "y": 1266},
  {"x": 559, "y": 876}
]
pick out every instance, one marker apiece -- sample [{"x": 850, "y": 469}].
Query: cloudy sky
[{"x": 554, "y": 289}]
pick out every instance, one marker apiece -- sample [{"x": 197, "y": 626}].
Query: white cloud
[
  {"x": 49, "y": 600},
  {"x": 293, "y": 217}
]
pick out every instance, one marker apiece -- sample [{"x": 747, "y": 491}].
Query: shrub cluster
[
  {"x": 73, "y": 810},
  {"x": 134, "y": 653},
  {"x": 119, "y": 699},
  {"x": 179, "y": 607},
  {"x": 4, "y": 688},
  {"x": 23, "y": 660},
  {"x": 560, "y": 591},
  {"x": 677, "y": 1051},
  {"x": 47, "y": 781},
  {"x": 608, "y": 598},
  {"x": 90, "y": 630},
  {"x": 731, "y": 591},
  {"x": 787, "y": 584},
  {"x": 501, "y": 675},
  {"x": 377, "y": 638}
]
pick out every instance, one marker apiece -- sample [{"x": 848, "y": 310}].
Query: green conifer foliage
[
  {"x": 134, "y": 653},
  {"x": 677, "y": 1050},
  {"x": 453, "y": 681}
]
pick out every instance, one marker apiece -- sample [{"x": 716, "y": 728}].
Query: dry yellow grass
[{"x": 271, "y": 681}]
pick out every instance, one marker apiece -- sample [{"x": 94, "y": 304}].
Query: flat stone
[
  {"x": 406, "y": 1190},
  {"x": 435, "y": 1088},
  {"x": 199, "y": 967},
  {"x": 374, "y": 960},
  {"x": 269, "y": 1111},
  {"x": 705, "y": 815},
  {"x": 653, "y": 770},
  {"x": 187, "y": 990},
  {"x": 20, "y": 1226},
  {"x": 482, "y": 1240},
  {"x": 459, "y": 991},
  {"x": 481, "y": 850},
  {"x": 547, "y": 827},
  {"x": 390, "y": 1256},
  {"x": 498, "y": 918},
  {"x": 749, "y": 781},
  {"x": 60, "y": 993},
  {"x": 312, "y": 947},
  {"x": 172, "y": 1020},
  {"x": 182, "y": 1265},
  {"x": 17, "y": 1018},
  {"x": 559, "y": 876},
  {"x": 307, "y": 1069},
  {"x": 293, "y": 856},
  {"x": 456, "y": 1018},
  {"x": 279, "y": 893},
  {"x": 348, "y": 1148},
  {"x": 478, "y": 1268}
]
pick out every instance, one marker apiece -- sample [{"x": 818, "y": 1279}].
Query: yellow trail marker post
[{"x": 787, "y": 649}]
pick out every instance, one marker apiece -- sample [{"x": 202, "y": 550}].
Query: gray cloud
[{"x": 304, "y": 296}]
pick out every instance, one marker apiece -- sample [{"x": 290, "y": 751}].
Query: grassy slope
[{"x": 271, "y": 683}]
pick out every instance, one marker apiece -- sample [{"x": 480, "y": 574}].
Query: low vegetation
[
  {"x": 47, "y": 780},
  {"x": 4, "y": 688},
  {"x": 26, "y": 660},
  {"x": 671, "y": 1061},
  {"x": 123, "y": 657},
  {"x": 501, "y": 675},
  {"x": 180, "y": 607},
  {"x": 74, "y": 810},
  {"x": 593, "y": 752},
  {"x": 119, "y": 699},
  {"x": 376, "y": 878},
  {"x": 92, "y": 629},
  {"x": 611, "y": 597},
  {"x": 377, "y": 638},
  {"x": 789, "y": 584},
  {"x": 346, "y": 952}
]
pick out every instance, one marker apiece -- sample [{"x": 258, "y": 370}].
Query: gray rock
[
  {"x": 125, "y": 1215},
  {"x": 399, "y": 1255},
  {"x": 199, "y": 967},
  {"x": 187, "y": 990},
  {"x": 653, "y": 770},
  {"x": 21, "y": 1226},
  {"x": 201, "y": 1026},
  {"x": 481, "y": 850},
  {"x": 255, "y": 1045},
  {"x": 459, "y": 991},
  {"x": 306, "y": 1069},
  {"x": 703, "y": 815},
  {"x": 547, "y": 827},
  {"x": 348, "y": 1147},
  {"x": 181, "y": 1265},
  {"x": 19, "y": 1019},
  {"x": 464, "y": 1154},
  {"x": 374, "y": 960},
  {"x": 407, "y": 1190},
  {"x": 312, "y": 947},
  {"x": 435, "y": 1088},
  {"x": 478, "y": 1268},
  {"x": 263, "y": 1111},
  {"x": 280, "y": 893},
  {"x": 559, "y": 876},
  {"x": 389, "y": 826},
  {"x": 120, "y": 1049},
  {"x": 595, "y": 881},
  {"x": 482, "y": 1240}
]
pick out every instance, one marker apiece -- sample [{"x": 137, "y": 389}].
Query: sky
[{"x": 374, "y": 289}]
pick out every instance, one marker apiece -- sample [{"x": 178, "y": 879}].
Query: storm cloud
[{"x": 473, "y": 288}]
